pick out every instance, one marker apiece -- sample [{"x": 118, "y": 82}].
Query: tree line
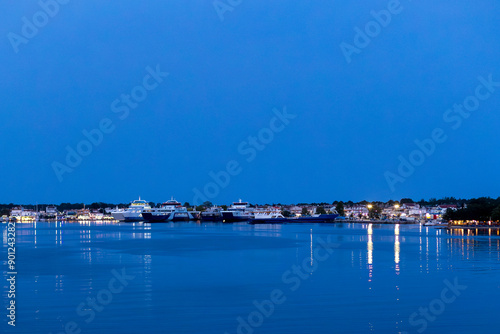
[{"x": 481, "y": 209}]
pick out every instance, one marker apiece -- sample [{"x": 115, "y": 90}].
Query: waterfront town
[{"x": 481, "y": 211}]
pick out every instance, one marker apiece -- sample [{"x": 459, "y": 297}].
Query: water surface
[{"x": 238, "y": 278}]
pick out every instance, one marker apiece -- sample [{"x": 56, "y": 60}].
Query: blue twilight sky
[{"x": 352, "y": 120}]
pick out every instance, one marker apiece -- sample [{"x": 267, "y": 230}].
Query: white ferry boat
[
  {"x": 237, "y": 212},
  {"x": 269, "y": 218},
  {"x": 134, "y": 211},
  {"x": 170, "y": 210}
]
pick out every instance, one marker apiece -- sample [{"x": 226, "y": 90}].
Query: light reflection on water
[
  {"x": 397, "y": 246},
  {"x": 200, "y": 277}
]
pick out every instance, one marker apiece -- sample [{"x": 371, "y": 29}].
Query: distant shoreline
[
  {"x": 388, "y": 222},
  {"x": 470, "y": 227}
]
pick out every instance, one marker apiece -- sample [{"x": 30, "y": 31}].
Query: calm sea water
[{"x": 238, "y": 278}]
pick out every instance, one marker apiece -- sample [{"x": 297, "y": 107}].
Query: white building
[
  {"x": 21, "y": 214},
  {"x": 51, "y": 210},
  {"x": 356, "y": 210}
]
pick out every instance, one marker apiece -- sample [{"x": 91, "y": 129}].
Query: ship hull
[
  {"x": 211, "y": 218},
  {"x": 268, "y": 221},
  {"x": 319, "y": 219},
  {"x": 229, "y": 217},
  {"x": 179, "y": 217},
  {"x": 328, "y": 218},
  {"x": 133, "y": 219},
  {"x": 132, "y": 216},
  {"x": 118, "y": 216}
]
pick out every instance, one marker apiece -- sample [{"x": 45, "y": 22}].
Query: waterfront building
[
  {"x": 70, "y": 215},
  {"x": 51, "y": 210},
  {"x": 22, "y": 214},
  {"x": 96, "y": 215},
  {"x": 356, "y": 211},
  {"x": 296, "y": 210}
]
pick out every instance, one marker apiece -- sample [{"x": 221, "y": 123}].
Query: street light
[
  {"x": 396, "y": 207},
  {"x": 369, "y": 206}
]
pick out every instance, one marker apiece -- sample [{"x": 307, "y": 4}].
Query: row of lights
[{"x": 369, "y": 206}]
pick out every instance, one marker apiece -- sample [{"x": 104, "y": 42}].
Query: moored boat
[
  {"x": 170, "y": 210},
  {"x": 278, "y": 218},
  {"x": 268, "y": 218},
  {"x": 322, "y": 218},
  {"x": 211, "y": 215},
  {"x": 237, "y": 212},
  {"x": 433, "y": 223}
]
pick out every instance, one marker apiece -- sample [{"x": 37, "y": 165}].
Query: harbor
[{"x": 140, "y": 210}]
